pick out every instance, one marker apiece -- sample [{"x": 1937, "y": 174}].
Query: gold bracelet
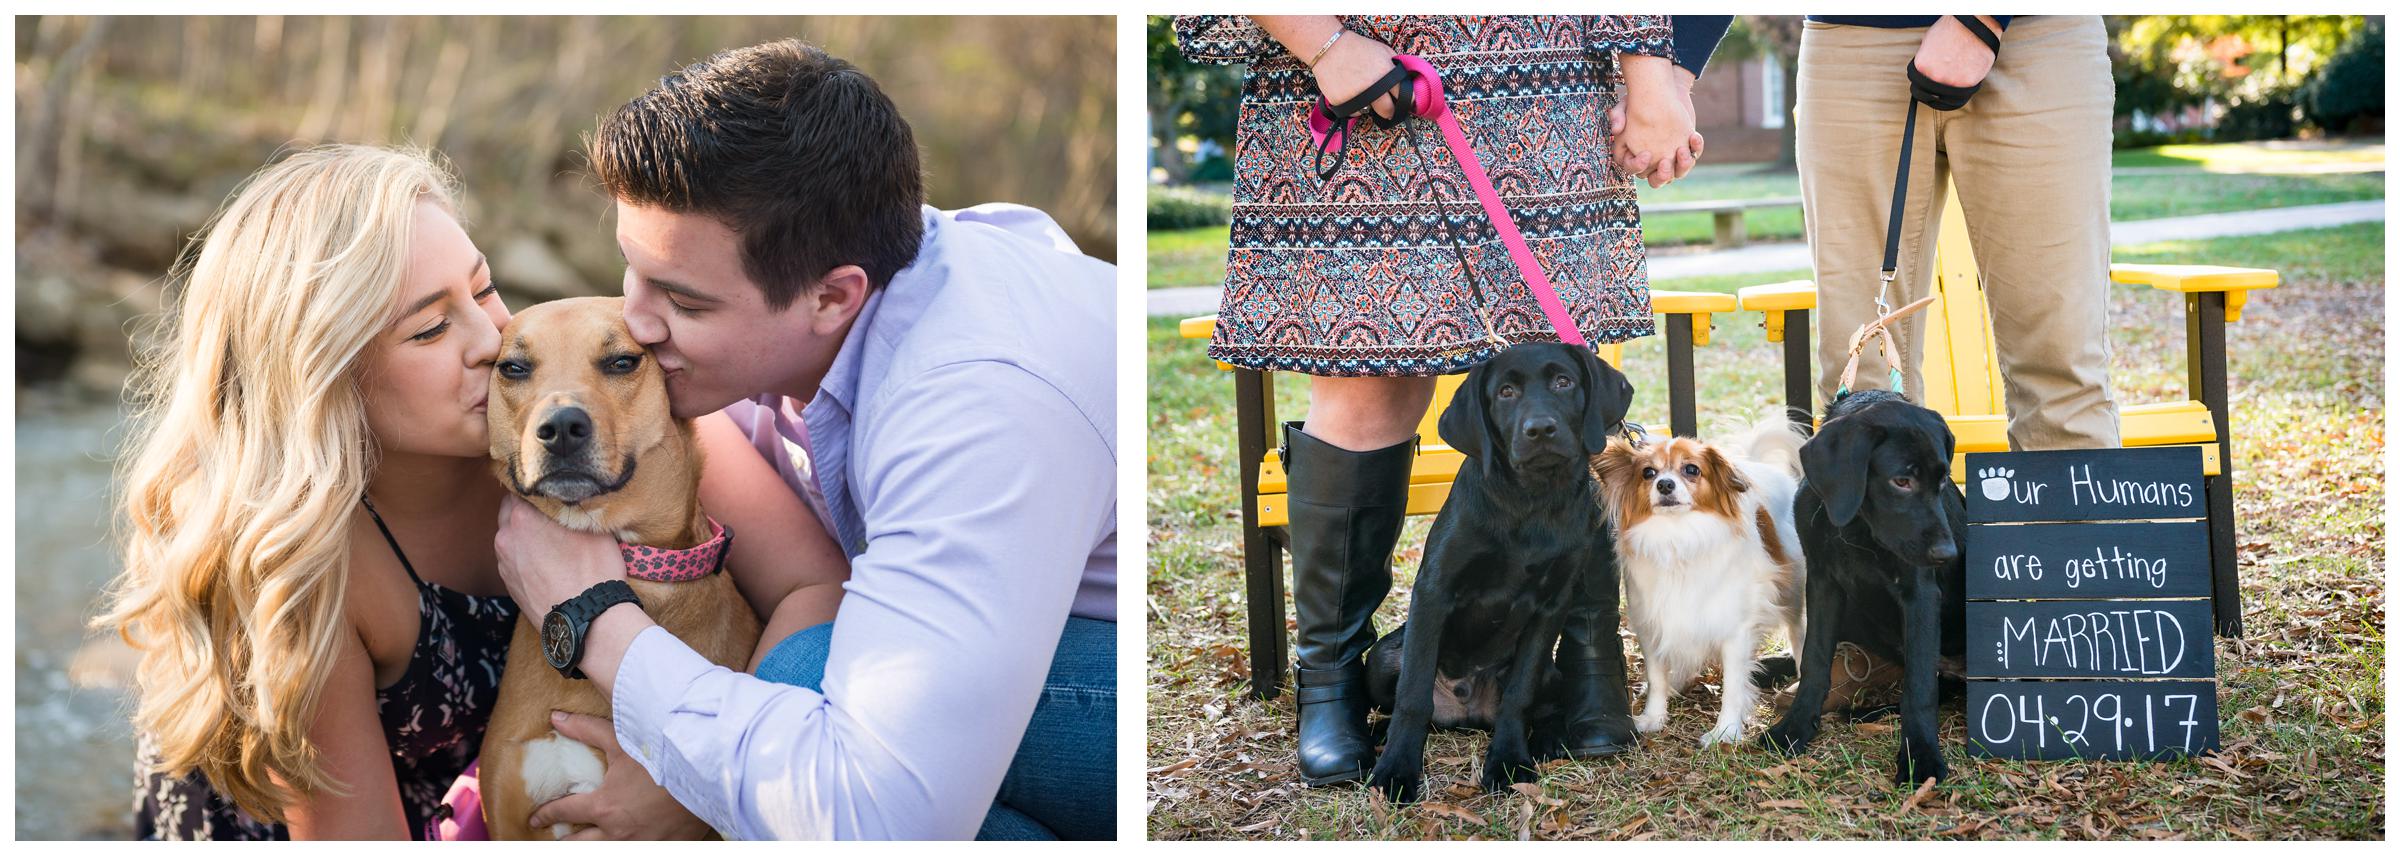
[{"x": 1327, "y": 46}]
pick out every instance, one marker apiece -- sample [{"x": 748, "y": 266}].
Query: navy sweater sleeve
[
  {"x": 1696, "y": 38},
  {"x": 1892, "y": 22}
]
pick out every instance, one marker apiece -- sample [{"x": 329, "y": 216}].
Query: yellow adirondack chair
[
  {"x": 1264, "y": 513},
  {"x": 1962, "y": 371}
]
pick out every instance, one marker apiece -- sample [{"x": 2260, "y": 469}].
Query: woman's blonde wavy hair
[{"x": 250, "y": 452}]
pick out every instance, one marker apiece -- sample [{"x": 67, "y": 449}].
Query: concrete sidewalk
[{"x": 1769, "y": 258}]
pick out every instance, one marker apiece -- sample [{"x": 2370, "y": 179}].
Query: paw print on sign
[{"x": 1995, "y": 482}]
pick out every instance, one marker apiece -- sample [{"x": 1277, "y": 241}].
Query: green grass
[
  {"x": 2302, "y": 695},
  {"x": 1196, "y": 257},
  {"x": 1187, "y": 257},
  {"x": 2247, "y": 155}
]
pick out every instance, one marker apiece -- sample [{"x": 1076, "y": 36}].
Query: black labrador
[
  {"x": 1519, "y": 543},
  {"x": 1879, "y": 524}
]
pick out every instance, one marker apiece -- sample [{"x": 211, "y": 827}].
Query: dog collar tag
[{"x": 674, "y": 566}]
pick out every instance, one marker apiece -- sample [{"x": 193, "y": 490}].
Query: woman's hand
[
  {"x": 1354, "y": 62},
  {"x": 627, "y": 806},
  {"x": 1653, "y": 124}
]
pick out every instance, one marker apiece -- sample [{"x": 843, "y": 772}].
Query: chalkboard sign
[
  {"x": 2093, "y": 484},
  {"x": 2083, "y": 634},
  {"x": 2088, "y": 560},
  {"x": 2090, "y": 639},
  {"x": 2054, "y": 720}
]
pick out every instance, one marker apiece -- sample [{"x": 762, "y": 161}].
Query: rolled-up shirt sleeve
[{"x": 984, "y": 492}]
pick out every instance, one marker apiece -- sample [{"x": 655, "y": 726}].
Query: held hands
[{"x": 1652, "y": 126}]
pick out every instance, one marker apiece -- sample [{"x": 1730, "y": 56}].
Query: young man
[
  {"x": 950, "y": 377},
  {"x": 2029, "y": 152}
]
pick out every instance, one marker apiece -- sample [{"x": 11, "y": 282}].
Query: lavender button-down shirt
[{"x": 963, "y": 453}]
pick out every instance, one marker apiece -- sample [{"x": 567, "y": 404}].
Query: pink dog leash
[{"x": 1422, "y": 98}]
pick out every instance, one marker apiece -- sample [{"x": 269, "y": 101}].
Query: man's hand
[
  {"x": 544, "y": 563},
  {"x": 1952, "y": 56},
  {"x": 627, "y": 806}
]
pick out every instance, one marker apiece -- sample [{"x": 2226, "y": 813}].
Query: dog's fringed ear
[
  {"x": 1720, "y": 467},
  {"x": 1466, "y": 424},
  {"x": 1607, "y": 397},
  {"x": 1835, "y": 464}
]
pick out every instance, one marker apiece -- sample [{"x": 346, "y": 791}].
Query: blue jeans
[{"x": 1062, "y": 783}]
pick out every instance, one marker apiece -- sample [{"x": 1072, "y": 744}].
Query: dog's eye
[
  {"x": 1507, "y": 391},
  {"x": 515, "y": 369},
  {"x": 1904, "y": 483},
  {"x": 1562, "y": 382},
  {"x": 621, "y": 364},
  {"x": 1649, "y": 472},
  {"x": 1692, "y": 470}
]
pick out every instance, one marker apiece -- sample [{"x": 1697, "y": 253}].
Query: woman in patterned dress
[
  {"x": 309, "y": 511},
  {"x": 1358, "y": 280}
]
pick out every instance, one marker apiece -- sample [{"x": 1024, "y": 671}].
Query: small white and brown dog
[{"x": 1710, "y": 556}]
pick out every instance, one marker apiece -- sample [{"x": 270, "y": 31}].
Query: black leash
[{"x": 1939, "y": 96}]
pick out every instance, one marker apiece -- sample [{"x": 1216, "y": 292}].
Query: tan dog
[{"x": 580, "y": 428}]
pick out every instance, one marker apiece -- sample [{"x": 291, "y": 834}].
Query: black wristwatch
[{"x": 564, "y": 628}]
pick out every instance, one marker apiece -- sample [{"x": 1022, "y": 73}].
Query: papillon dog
[{"x": 1710, "y": 556}]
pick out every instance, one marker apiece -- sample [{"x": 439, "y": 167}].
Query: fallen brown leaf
[{"x": 1452, "y": 811}]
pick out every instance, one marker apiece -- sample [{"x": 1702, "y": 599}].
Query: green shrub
[
  {"x": 2348, "y": 93},
  {"x": 2269, "y": 117},
  {"x": 1187, "y": 208},
  {"x": 1216, "y": 169}
]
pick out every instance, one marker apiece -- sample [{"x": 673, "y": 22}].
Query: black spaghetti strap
[{"x": 388, "y": 539}]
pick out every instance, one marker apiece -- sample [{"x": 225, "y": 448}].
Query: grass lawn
[
  {"x": 1192, "y": 257},
  {"x": 2302, "y": 696},
  {"x": 2250, "y": 155}
]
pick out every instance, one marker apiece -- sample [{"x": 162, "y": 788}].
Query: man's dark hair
[{"x": 796, "y": 151}]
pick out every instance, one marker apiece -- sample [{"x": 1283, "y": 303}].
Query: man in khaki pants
[{"x": 2030, "y": 155}]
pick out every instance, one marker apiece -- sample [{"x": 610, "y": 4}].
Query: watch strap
[{"x": 581, "y": 610}]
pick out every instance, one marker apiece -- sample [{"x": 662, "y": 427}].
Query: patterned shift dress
[
  {"x": 1358, "y": 275},
  {"x": 433, "y": 718}
]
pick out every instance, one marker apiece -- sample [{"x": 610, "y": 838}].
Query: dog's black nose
[
  {"x": 1943, "y": 551},
  {"x": 1666, "y": 485},
  {"x": 1541, "y": 428},
  {"x": 567, "y": 430}
]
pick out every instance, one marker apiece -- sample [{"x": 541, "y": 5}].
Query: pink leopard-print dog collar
[{"x": 675, "y": 566}]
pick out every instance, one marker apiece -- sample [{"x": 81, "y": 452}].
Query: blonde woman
[{"x": 309, "y": 511}]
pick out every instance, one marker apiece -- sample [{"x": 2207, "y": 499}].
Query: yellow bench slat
[{"x": 2235, "y": 283}]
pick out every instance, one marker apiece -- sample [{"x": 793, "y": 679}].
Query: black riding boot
[
  {"x": 1346, "y": 510},
  {"x": 1591, "y": 666}
]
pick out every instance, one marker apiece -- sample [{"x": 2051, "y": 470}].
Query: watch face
[{"x": 558, "y": 640}]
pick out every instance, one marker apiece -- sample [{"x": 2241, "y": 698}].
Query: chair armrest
[
  {"x": 1697, "y": 304},
  {"x": 1775, "y": 299},
  {"x": 1197, "y": 328},
  {"x": 2235, "y": 283}
]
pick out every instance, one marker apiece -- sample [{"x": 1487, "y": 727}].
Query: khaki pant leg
[
  {"x": 1851, "y": 103},
  {"x": 2030, "y": 155}
]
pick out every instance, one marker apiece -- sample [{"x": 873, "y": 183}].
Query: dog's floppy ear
[
  {"x": 1607, "y": 396},
  {"x": 1466, "y": 425},
  {"x": 1935, "y": 427},
  {"x": 1835, "y": 464}
]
